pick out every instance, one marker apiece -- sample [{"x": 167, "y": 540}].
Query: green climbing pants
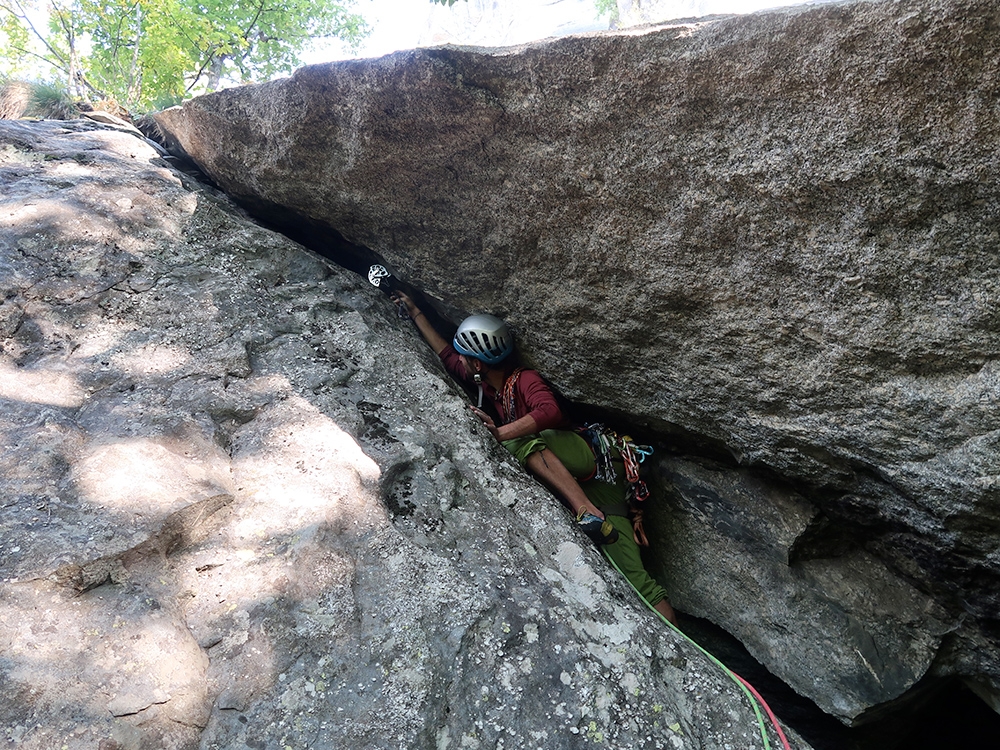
[{"x": 578, "y": 458}]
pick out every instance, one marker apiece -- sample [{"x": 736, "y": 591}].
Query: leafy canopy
[{"x": 151, "y": 53}]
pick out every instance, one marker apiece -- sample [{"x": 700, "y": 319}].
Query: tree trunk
[{"x": 215, "y": 73}]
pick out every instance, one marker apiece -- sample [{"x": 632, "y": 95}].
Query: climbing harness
[
  {"x": 756, "y": 700},
  {"x": 605, "y": 443}
]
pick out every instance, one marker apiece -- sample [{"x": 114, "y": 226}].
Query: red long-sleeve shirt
[{"x": 532, "y": 395}]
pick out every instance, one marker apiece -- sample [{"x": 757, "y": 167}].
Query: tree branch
[{"x": 23, "y": 15}]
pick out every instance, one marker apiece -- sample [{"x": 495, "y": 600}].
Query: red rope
[{"x": 767, "y": 709}]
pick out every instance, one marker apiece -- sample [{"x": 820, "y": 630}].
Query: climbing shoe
[{"x": 598, "y": 529}]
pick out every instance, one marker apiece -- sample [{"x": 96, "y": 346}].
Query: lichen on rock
[
  {"x": 243, "y": 507},
  {"x": 769, "y": 238}
]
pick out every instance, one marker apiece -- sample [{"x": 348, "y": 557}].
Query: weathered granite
[
  {"x": 243, "y": 506},
  {"x": 774, "y": 235},
  {"x": 844, "y": 627}
]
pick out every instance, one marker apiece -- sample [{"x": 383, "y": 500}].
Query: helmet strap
[{"x": 478, "y": 380}]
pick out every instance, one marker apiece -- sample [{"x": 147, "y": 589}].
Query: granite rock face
[
  {"x": 773, "y": 237},
  {"x": 844, "y": 627},
  {"x": 243, "y": 506}
]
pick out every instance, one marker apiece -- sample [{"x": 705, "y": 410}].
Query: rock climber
[{"x": 535, "y": 431}]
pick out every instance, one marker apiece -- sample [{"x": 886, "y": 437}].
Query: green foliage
[
  {"x": 143, "y": 52},
  {"x": 51, "y": 101},
  {"x": 46, "y": 99},
  {"x": 13, "y": 35},
  {"x": 15, "y": 38},
  {"x": 606, "y": 6},
  {"x": 165, "y": 101}
]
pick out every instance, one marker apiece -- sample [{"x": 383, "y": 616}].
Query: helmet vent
[{"x": 485, "y": 337}]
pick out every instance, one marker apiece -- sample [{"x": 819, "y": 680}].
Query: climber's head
[{"x": 485, "y": 338}]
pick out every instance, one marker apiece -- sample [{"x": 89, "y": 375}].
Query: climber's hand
[{"x": 487, "y": 420}]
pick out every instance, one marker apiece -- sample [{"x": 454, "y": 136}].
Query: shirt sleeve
[
  {"x": 452, "y": 361},
  {"x": 538, "y": 401}
]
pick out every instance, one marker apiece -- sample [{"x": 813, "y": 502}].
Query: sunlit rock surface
[
  {"x": 244, "y": 507},
  {"x": 774, "y": 236}
]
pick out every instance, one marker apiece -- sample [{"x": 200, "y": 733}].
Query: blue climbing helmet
[{"x": 484, "y": 337}]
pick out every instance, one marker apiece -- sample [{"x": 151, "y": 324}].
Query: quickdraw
[
  {"x": 630, "y": 459},
  {"x": 604, "y": 443},
  {"x": 632, "y": 456}
]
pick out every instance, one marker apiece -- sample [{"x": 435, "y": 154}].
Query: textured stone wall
[
  {"x": 775, "y": 236},
  {"x": 244, "y": 507}
]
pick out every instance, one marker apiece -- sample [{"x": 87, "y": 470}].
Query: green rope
[{"x": 732, "y": 675}]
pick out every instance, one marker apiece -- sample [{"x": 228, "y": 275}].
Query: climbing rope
[
  {"x": 507, "y": 396},
  {"x": 756, "y": 701}
]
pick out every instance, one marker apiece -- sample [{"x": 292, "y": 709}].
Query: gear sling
[{"x": 607, "y": 469}]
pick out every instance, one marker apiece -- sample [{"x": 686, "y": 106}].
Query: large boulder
[
  {"x": 243, "y": 505},
  {"x": 773, "y": 237},
  {"x": 843, "y": 627}
]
